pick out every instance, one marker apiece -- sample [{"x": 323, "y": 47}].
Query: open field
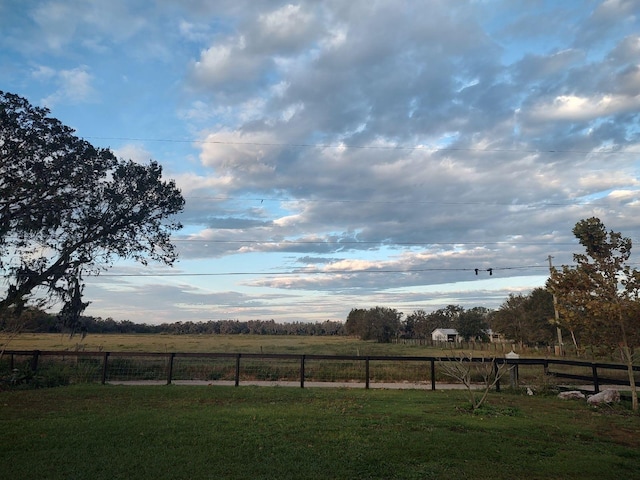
[
  {"x": 323, "y": 345},
  {"x": 190, "y": 343},
  {"x": 172, "y": 432}
]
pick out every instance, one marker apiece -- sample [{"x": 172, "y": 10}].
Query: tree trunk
[
  {"x": 628, "y": 357},
  {"x": 575, "y": 342}
]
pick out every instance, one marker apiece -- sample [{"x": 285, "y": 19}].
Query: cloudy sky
[{"x": 343, "y": 154}]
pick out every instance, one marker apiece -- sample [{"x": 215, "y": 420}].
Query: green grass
[
  {"x": 329, "y": 345},
  {"x": 172, "y": 432}
]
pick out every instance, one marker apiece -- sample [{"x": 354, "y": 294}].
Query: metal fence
[{"x": 237, "y": 368}]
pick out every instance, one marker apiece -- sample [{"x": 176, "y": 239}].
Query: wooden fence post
[
  {"x": 34, "y": 360},
  {"x": 170, "y": 368},
  {"x": 496, "y": 369},
  {"x": 433, "y": 374},
  {"x": 366, "y": 372},
  {"x": 105, "y": 357},
  {"x": 596, "y": 380},
  {"x": 301, "y": 371},
  {"x": 237, "y": 376}
]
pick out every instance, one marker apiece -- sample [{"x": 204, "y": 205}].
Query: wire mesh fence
[
  {"x": 334, "y": 370},
  {"x": 47, "y": 368},
  {"x": 394, "y": 371},
  {"x": 206, "y": 369},
  {"x": 139, "y": 367}
]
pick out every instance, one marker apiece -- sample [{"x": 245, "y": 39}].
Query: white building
[
  {"x": 445, "y": 335},
  {"x": 451, "y": 335}
]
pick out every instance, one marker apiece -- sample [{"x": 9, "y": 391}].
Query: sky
[{"x": 346, "y": 154}]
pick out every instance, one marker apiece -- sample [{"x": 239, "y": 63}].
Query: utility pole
[{"x": 555, "y": 311}]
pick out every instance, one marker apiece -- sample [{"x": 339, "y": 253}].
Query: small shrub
[
  {"x": 54, "y": 376},
  {"x": 485, "y": 373},
  {"x": 25, "y": 379},
  {"x": 86, "y": 372}
]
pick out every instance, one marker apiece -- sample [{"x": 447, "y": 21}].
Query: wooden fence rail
[{"x": 550, "y": 367}]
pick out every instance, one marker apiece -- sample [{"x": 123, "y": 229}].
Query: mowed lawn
[{"x": 174, "y": 432}]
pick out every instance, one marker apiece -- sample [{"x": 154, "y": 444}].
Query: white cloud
[
  {"x": 349, "y": 136},
  {"x": 63, "y": 24},
  {"x": 614, "y": 10},
  {"x": 284, "y": 30},
  {"x": 137, "y": 153},
  {"x": 73, "y": 86},
  {"x": 43, "y": 72},
  {"x": 191, "y": 183},
  {"x": 229, "y": 66},
  {"x": 194, "y": 32},
  {"x": 579, "y": 108},
  {"x": 58, "y": 23},
  {"x": 237, "y": 153}
]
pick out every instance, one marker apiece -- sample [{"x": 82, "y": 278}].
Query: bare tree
[{"x": 478, "y": 376}]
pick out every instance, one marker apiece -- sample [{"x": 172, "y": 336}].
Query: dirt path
[{"x": 372, "y": 385}]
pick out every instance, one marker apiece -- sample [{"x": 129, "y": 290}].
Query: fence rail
[{"x": 107, "y": 367}]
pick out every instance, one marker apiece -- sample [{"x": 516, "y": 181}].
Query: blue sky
[{"x": 346, "y": 154}]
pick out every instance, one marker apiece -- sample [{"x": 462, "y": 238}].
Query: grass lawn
[{"x": 173, "y": 432}]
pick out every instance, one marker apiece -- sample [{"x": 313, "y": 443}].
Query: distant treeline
[
  {"x": 37, "y": 321},
  {"x": 521, "y": 318}
]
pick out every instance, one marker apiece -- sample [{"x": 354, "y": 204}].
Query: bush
[{"x": 24, "y": 378}]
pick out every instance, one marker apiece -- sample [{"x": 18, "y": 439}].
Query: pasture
[
  {"x": 176, "y": 432},
  {"x": 322, "y": 345}
]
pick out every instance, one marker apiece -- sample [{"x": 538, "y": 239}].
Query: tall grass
[{"x": 329, "y": 345}]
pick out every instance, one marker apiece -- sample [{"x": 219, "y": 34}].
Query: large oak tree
[{"x": 68, "y": 209}]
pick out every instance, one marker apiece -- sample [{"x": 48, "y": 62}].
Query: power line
[
  {"x": 355, "y": 242},
  {"x": 366, "y": 147},
  {"x": 390, "y": 202},
  {"x": 316, "y": 272}
]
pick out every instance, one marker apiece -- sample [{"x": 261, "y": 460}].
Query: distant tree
[
  {"x": 540, "y": 317},
  {"x": 68, "y": 209},
  {"x": 411, "y": 325},
  {"x": 509, "y": 319},
  {"x": 422, "y": 323},
  {"x": 601, "y": 294},
  {"x": 450, "y": 315},
  {"x": 378, "y": 323},
  {"x": 356, "y": 323},
  {"x": 441, "y": 318},
  {"x": 472, "y": 324},
  {"x": 408, "y": 327},
  {"x": 385, "y": 324},
  {"x": 525, "y": 319}
]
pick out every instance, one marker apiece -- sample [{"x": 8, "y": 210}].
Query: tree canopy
[
  {"x": 68, "y": 208},
  {"x": 472, "y": 324},
  {"x": 379, "y": 323},
  {"x": 526, "y": 318},
  {"x": 598, "y": 299}
]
